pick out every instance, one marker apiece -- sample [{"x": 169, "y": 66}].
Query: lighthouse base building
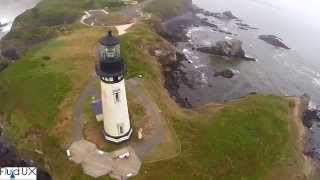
[{"x": 111, "y": 70}]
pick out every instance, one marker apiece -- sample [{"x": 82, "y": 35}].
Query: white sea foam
[
  {"x": 316, "y": 82},
  {"x": 7, "y": 27},
  {"x": 199, "y": 66},
  {"x": 235, "y": 71},
  {"x": 228, "y": 38},
  {"x": 312, "y": 105},
  {"x": 204, "y": 78},
  {"x": 4, "y": 20},
  {"x": 206, "y": 43}
]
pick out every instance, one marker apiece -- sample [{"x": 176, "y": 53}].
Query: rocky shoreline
[
  {"x": 311, "y": 120},
  {"x": 10, "y": 158},
  {"x": 171, "y": 73},
  {"x": 175, "y": 31}
]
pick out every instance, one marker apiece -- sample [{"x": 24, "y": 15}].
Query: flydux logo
[{"x": 18, "y": 173}]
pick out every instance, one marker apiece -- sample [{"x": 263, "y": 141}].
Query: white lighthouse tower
[{"x": 111, "y": 70}]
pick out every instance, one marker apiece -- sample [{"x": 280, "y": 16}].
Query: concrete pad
[
  {"x": 122, "y": 29},
  {"x": 123, "y": 167},
  {"x": 97, "y": 164},
  {"x": 79, "y": 150}
]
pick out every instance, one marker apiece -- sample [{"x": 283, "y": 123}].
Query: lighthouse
[{"x": 111, "y": 70}]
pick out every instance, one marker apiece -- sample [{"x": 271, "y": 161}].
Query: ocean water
[
  {"x": 10, "y": 9},
  {"x": 278, "y": 71}
]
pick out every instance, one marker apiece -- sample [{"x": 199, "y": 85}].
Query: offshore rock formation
[
  {"x": 274, "y": 41},
  {"x": 227, "y": 15},
  {"x": 227, "y": 73},
  {"x": 229, "y": 47}
]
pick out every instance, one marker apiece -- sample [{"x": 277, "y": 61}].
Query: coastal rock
[
  {"x": 274, "y": 41},
  {"x": 205, "y": 22},
  {"x": 3, "y": 24},
  {"x": 10, "y": 158},
  {"x": 309, "y": 117},
  {"x": 228, "y": 15},
  {"x": 227, "y": 73},
  {"x": 229, "y": 47},
  {"x": 174, "y": 30},
  {"x": 165, "y": 55}
]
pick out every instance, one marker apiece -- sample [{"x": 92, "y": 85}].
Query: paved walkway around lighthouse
[
  {"x": 153, "y": 111},
  {"x": 78, "y": 114},
  {"x": 97, "y": 163}
]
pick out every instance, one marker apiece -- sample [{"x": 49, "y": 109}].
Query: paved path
[
  {"x": 153, "y": 112},
  {"x": 89, "y": 91},
  {"x": 132, "y": 12}
]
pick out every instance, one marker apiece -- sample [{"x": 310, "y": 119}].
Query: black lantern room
[{"x": 111, "y": 67}]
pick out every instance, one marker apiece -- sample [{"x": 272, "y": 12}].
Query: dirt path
[
  {"x": 134, "y": 11},
  {"x": 309, "y": 166},
  {"x": 131, "y": 12},
  {"x": 151, "y": 108}
]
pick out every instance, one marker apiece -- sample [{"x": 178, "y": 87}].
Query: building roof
[{"x": 109, "y": 40}]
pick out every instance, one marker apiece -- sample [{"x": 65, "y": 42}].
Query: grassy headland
[
  {"x": 37, "y": 95},
  {"x": 248, "y": 139},
  {"x": 50, "y": 18},
  {"x": 166, "y": 9}
]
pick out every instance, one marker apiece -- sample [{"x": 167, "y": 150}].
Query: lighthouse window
[
  {"x": 111, "y": 52},
  {"x": 120, "y": 129},
  {"x": 116, "y": 95}
]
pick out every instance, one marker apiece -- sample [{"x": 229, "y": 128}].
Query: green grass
[
  {"x": 134, "y": 48},
  {"x": 113, "y": 19},
  {"x": 35, "y": 89},
  {"x": 166, "y": 9},
  {"x": 37, "y": 96},
  {"x": 241, "y": 141}
]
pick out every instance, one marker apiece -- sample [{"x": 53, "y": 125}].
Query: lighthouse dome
[{"x": 109, "y": 40}]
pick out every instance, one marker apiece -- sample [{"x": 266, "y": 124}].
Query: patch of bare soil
[{"x": 93, "y": 133}]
